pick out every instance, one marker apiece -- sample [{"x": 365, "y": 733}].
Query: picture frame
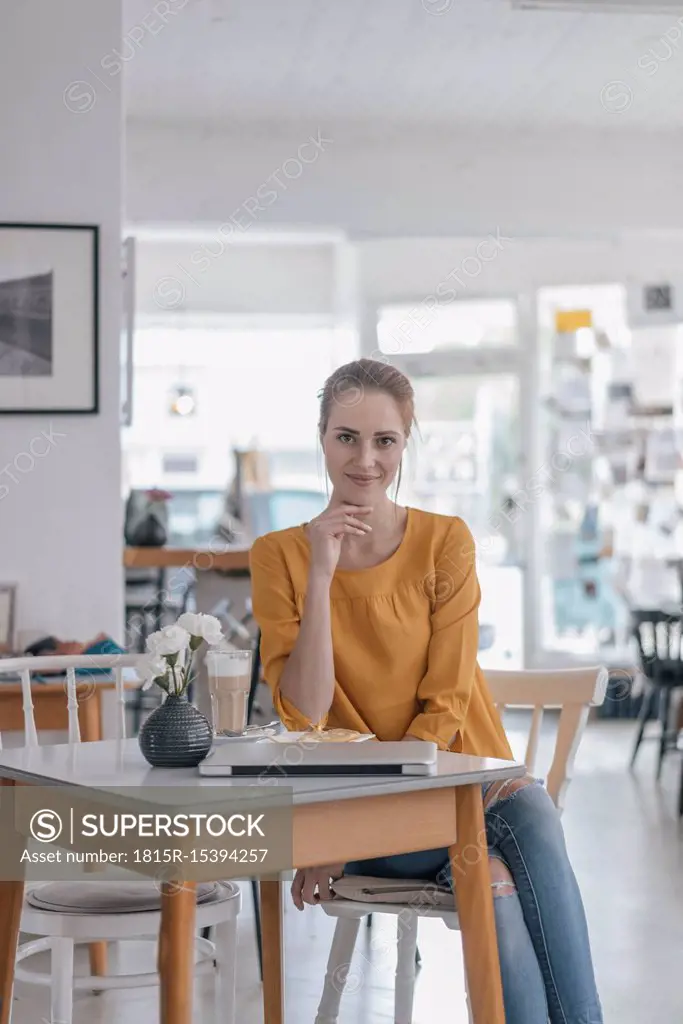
[
  {"x": 49, "y": 319},
  {"x": 8, "y": 596}
]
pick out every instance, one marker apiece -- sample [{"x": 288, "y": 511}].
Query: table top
[
  {"x": 114, "y": 764},
  {"x": 226, "y": 557}
]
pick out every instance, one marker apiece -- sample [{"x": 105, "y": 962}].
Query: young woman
[{"x": 368, "y": 618}]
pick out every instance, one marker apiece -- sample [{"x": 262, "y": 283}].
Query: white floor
[{"x": 626, "y": 844}]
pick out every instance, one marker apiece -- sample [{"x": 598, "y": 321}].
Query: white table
[{"x": 334, "y": 820}]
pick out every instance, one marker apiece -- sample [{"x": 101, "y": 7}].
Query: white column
[
  {"x": 367, "y": 330},
  {"x": 346, "y": 303},
  {"x": 61, "y": 126},
  {"x": 531, "y": 461}
]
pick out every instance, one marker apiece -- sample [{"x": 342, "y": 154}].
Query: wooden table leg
[
  {"x": 11, "y": 903},
  {"x": 470, "y": 866},
  {"x": 176, "y": 952},
  {"x": 273, "y": 947},
  {"x": 90, "y": 723}
]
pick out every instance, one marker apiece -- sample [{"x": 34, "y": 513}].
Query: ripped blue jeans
[{"x": 545, "y": 957}]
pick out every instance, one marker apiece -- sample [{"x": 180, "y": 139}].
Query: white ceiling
[{"x": 400, "y": 62}]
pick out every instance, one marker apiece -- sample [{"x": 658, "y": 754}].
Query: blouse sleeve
[
  {"x": 445, "y": 690},
  {"x": 275, "y": 611}
]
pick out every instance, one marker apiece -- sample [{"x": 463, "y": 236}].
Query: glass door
[
  {"x": 465, "y": 459},
  {"x": 592, "y": 493}
]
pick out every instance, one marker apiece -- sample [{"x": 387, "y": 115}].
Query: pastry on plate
[{"x": 335, "y": 735}]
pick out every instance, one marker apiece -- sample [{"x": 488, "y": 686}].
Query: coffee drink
[{"x": 229, "y": 684}]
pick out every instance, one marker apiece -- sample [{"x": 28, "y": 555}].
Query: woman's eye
[
  {"x": 344, "y": 437},
  {"x": 389, "y": 440}
]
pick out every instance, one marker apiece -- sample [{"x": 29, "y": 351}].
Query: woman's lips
[{"x": 363, "y": 481}]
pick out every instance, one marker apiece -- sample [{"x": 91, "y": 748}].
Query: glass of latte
[{"x": 229, "y": 675}]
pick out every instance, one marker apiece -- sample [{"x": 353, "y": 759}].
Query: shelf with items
[{"x": 589, "y": 451}]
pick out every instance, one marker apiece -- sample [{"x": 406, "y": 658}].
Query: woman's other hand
[{"x": 312, "y": 885}]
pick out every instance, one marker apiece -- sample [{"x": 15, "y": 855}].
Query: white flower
[
  {"x": 206, "y": 626},
  {"x": 152, "y": 669},
  {"x": 169, "y": 640},
  {"x": 192, "y": 622}
]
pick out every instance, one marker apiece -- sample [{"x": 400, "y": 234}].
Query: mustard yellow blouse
[{"x": 404, "y": 636}]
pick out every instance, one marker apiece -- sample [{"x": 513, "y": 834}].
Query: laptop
[{"x": 267, "y": 757}]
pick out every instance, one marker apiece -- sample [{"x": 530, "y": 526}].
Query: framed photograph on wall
[
  {"x": 8, "y": 592},
  {"x": 48, "y": 318}
]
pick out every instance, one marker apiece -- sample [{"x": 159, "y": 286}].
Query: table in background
[
  {"x": 226, "y": 559},
  {"x": 334, "y": 819}
]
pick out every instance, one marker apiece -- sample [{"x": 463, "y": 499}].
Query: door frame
[{"x": 522, "y": 361}]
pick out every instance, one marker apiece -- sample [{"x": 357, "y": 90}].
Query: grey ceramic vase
[{"x": 176, "y": 735}]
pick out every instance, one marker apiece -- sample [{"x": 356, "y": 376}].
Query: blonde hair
[{"x": 362, "y": 375}]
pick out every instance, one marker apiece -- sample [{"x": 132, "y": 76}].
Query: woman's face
[{"x": 363, "y": 445}]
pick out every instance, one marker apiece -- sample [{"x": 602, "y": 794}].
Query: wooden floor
[{"x": 626, "y": 844}]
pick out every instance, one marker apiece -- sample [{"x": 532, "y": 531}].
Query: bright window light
[{"x": 426, "y": 327}]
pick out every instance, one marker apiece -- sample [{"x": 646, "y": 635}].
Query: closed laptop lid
[{"x": 295, "y": 758}]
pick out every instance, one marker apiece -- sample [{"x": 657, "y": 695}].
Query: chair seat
[
  {"x": 667, "y": 672},
  {"x": 356, "y": 896},
  {"x": 115, "y": 897},
  {"x": 402, "y": 892}
]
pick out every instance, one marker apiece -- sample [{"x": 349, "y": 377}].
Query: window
[
  {"x": 426, "y": 327},
  {"x": 250, "y": 389}
]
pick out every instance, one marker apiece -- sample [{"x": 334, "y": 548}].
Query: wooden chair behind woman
[{"x": 574, "y": 692}]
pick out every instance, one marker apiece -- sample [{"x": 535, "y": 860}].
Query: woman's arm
[
  {"x": 446, "y": 688},
  {"x": 298, "y": 660},
  {"x": 296, "y": 651},
  {"x": 307, "y": 680}
]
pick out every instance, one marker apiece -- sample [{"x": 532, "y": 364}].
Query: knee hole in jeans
[
  {"x": 502, "y": 881},
  {"x": 502, "y": 790}
]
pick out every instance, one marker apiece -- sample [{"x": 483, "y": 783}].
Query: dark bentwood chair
[{"x": 658, "y": 635}]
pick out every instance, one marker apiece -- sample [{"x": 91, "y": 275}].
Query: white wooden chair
[
  {"x": 575, "y": 691},
  {"x": 77, "y": 915}
]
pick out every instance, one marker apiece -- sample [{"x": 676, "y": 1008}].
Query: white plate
[
  {"x": 293, "y": 737},
  {"x": 250, "y": 737}
]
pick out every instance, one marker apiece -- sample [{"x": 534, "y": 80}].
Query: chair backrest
[
  {"x": 65, "y": 667},
  {"x": 574, "y": 691},
  {"x": 658, "y": 636}
]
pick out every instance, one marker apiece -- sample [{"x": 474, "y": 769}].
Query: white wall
[
  {"x": 61, "y": 522},
  {"x": 465, "y": 183},
  {"x": 214, "y": 275},
  {"x": 413, "y": 269}
]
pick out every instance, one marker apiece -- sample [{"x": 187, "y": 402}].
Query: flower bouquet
[{"x": 177, "y": 734}]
